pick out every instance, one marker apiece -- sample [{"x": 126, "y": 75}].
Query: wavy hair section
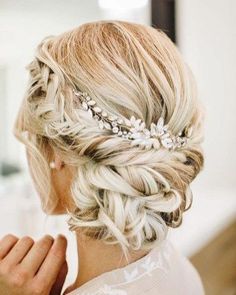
[{"x": 122, "y": 194}]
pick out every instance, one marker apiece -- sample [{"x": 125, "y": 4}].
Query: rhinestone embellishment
[{"x": 133, "y": 129}]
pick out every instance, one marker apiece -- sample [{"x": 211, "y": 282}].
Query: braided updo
[{"x": 123, "y": 194}]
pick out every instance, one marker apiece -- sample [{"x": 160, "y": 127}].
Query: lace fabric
[{"x": 162, "y": 271}]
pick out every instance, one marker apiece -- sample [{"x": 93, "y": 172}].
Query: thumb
[{"x": 57, "y": 286}]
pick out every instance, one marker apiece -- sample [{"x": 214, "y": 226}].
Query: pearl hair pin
[
  {"x": 133, "y": 129},
  {"x": 52, "y": 165}
]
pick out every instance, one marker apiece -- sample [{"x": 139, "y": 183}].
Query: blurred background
[{"x": 205, "y": 33}]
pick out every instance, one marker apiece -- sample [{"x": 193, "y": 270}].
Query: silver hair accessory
[{"x": 133, "y": 129}]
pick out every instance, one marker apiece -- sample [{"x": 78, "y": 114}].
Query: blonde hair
[{"x": 123, "y": 194}]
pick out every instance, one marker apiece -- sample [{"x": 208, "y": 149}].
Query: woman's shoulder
[{"x": 164, "y": 270}]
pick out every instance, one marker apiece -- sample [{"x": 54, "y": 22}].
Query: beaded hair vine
[{"x": 134, "y": 129}]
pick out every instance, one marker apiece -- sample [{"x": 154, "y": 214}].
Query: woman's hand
[{"x": 28, "y": 267}]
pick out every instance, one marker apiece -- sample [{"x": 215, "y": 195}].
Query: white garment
[{"x": 163, "y": 271}]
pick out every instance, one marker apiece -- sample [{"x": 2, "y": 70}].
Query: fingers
[
  {"x": 37, "y": 254},
  {"x": 60, "y": 280},
  {"x": 29, "y": 267},
  {"x": 6, "y": 245},
  {"x": 18, "y": 251},
  {"x": 53, "y": 263}
]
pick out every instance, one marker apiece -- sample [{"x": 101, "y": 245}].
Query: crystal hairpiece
[{"x": 133, "y": 129}]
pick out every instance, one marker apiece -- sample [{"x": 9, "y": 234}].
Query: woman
[{"x": 113, "y": 128}]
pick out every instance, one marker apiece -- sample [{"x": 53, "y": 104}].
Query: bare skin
[
  {"x": 29, "y": 267},
  {"x": 96, "y": 258}
]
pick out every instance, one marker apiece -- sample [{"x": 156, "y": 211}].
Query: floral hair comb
[{"x": 133, "y": 129}]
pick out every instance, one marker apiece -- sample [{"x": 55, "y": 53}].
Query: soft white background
[{"x": 207, "y": 39}]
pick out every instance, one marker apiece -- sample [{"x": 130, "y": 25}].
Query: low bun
[{"x": 136, "y": 197}]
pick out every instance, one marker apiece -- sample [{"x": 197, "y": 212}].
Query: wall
[
  {"x": 23, "y": 24},
  {"x": 207, "y": 38}
]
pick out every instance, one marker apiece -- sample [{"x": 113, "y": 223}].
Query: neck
[{"x": 110, "y": 257}]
